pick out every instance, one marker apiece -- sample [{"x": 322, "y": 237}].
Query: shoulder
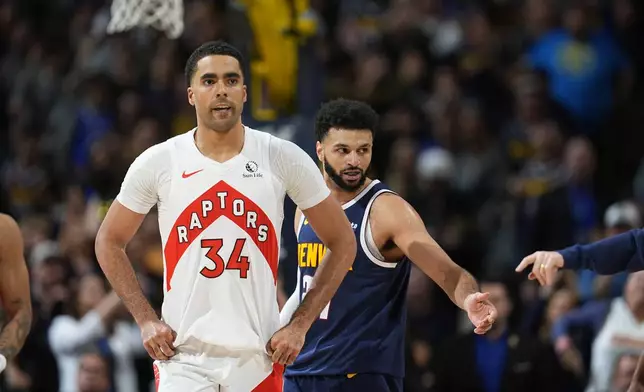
[
  {"x": 277, "y": 147},
  {"x": 7, "y": 223},
  {"x": 390, "y": 214},
  {"x": 390, "y": 204},
  {"x": 287, "y": 148},
  {"x": 9, "y": 231},
  {"x": 288, "y": 160},
  {"x": 159, "y": 153},
  {"x": 156, "y": 160}
]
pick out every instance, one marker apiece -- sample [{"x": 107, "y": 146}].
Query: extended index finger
[{"x": 528, "y": 260}]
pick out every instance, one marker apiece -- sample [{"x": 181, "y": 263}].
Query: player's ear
[
  {"x": 191, "y": 97},
  {"x": 245, "y": 93},
  {"x": 319, "y": 151}
]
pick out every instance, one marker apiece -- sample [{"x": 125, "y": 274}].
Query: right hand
[
  {"x": 158, "y": 339},
  {"x": 544, "y": 266},
  {"x": 285, "y": 344}
]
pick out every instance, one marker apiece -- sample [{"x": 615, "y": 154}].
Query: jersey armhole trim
[
  {"x": 299, "y": 225},
  {"x": 366, "y": 237},
  {"x": 360, "y": 195}
]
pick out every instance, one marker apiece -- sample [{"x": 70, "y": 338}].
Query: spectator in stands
[
  {"x": 35, "y": 365},
  {"x": 541, "y": 194},
  {"x": 501, "y": 360},
  {"x": 619, "y": 217},
  {"x": 582, "y": 61},
  {"x": 623, "y": 374},
  {"x": 616, "y": 325},
  {"x": 93, "y": 323},
  {"x": 93, "y": 373}
]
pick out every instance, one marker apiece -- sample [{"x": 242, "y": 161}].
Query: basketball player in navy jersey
[{"x": 357, "y": 344}]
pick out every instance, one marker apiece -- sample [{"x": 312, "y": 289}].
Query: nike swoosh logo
[{"x": 186, "y": 175}]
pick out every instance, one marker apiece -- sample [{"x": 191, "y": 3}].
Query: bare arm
[
  {"x": 400, "y": 222},
  {"x": 116, "y": 231},
  {"x": 14, "y": 288},
  {"x": 332, "y": 227}
]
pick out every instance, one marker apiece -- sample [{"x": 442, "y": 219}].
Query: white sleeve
[
  {"x": 291, "y": 304},
  {"x": 139, "y": 189},
  {"x": 67, "y": 336},
  {"x": 301, "y": 176}
]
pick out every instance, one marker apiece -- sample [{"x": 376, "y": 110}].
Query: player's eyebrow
[
  {"x": 227, "y": 75},
  {"x": 342, "y": 145}
]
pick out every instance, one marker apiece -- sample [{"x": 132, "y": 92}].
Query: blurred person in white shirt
[{"x": 93, "y": 322}]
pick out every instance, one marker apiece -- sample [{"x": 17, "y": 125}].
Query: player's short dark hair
[
  {"x": 345, "y": 114},
  {"x": 211, "y": 48}
]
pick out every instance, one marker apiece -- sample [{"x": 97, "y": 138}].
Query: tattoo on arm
[
  {"x": 3, "y": 318},
  {"x": 14, "y": 288},
  {"x": 13, "y": 336}
]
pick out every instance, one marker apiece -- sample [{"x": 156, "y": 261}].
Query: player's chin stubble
[
  {"x": 224, "y": 125},
  {"x": 337, "y": 178}
]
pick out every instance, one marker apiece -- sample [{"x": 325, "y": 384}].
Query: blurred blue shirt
[{"x": 581, "y": 74}]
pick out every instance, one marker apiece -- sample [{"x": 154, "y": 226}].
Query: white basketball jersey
[{"x": 220, "y": 225}]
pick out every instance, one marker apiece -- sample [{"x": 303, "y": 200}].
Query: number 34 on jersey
[{"x": 220, "y": 253}]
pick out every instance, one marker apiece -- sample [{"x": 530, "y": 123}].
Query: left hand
[{"x": 480, "y": 311}]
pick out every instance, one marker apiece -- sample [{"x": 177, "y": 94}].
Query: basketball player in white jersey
[
  {"x": 15, "y": 296},
  {"x": 219, "y": 190}
]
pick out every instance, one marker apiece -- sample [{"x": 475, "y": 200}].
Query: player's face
[
  {"x": 346, "y": 156},
  {"x": 217, "y": 92},
  {"x": 92, "y": 374}
]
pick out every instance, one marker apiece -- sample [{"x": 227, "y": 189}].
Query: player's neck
[
  {"x": 220, "y": 146},
  {"x": 343, "y": 196}
]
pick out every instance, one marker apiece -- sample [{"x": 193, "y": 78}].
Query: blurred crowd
[{"x": 510, "y": 125}]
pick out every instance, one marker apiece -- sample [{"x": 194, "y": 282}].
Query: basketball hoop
[{"x": 166, "y": 15}]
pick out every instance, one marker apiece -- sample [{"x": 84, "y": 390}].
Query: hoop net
[{"x": 166, "y": 15}]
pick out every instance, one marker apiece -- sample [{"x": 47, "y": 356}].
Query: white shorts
[{"x": 198, "y": 373}]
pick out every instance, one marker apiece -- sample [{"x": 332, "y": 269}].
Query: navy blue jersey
[{"x": 362, "y": 329}]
